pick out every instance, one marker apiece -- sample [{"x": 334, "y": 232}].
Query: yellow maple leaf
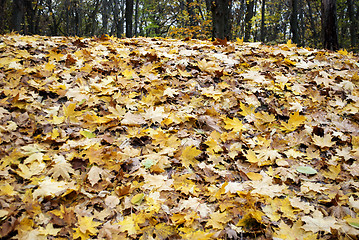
[
  {"x": 234, "y": 124},
  {"x": 189, "y": 234},
  {"x": 325, "y": 141},
  {"x": 251, "y": 156},
  {"x": 70, "y": 112},
  {"x": 218, "y": 220},
  {"x": 295, "y": 120},
  {"x": 128, "y": 224},
  {"x": 290, "y": 44},
  {"x": 188, "y": 156},
  {"x": 87, "y": 228},
  {"x": 246, "y": 110},
  {"x": 292, "y": 232},
  {"x": 265, "y": 117}
]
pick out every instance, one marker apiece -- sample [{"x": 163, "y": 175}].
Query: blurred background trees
[{"x": 330, "y": 24}]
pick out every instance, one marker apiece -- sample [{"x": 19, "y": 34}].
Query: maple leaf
[
  {"x": 86, "y": 228},
  {"x": 217, "y": 220},
  {"x": 155, "y": 114},
  {"x": 323, "y": 142},
  {"x": 61, "y": 168},
  {"x": 318, "y": 223},
  {"x": 188, "y": 156},
  {"x": 49, "y": 187},
  {"x": 132, "y": 119},
  {"x": 295, "y": 120},
  {"x": 70, "y": 113},
  {"x": 128, "y": 224},
  {"x": 233, "y": 124},
  {"x": 292, "y": 232}
]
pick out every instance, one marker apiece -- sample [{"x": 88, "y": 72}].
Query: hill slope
[{"x": 153, "y": 138}]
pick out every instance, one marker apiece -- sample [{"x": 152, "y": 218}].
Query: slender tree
[
  {"x": 329, "y": 24},
  {"x": 248, "y": 19},
  {"x": 221, "y": 18},
  {"x": 353, "y": 23},
  {"x": 135, "y": 30},
  {"x": 294, "y": 21},
  {"x": 263, "y": 30},
  {"x": 128, "y": 16}
]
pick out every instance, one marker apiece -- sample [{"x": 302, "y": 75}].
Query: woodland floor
[{"x": 144, "y": 138}]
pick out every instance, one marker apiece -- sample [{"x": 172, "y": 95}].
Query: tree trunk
[
  {"x": 105, "y": 10},
  {"x": 329, "y": 25},
  {"x": 135, "y": 30},
  {"x": 248, "y": 19},
  {"x": 2, "y": 16},
  {"x": 294, "y": 21},
  {"x": 221, "y": 19},
  {"x": 263, "y": 30},
  {"x": 353, "y": 25},
  {"x": 192, "y": 17},
  {"x": 128, "y": 16},
  {"x": 18, "y": 15},
  {"x": 312, "y": 24},
  {"x": 67, "y": 11}
]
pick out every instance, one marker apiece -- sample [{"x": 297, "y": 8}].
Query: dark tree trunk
[
  {"x": 221, "y": 19},
  {"x": 263, "y": 30},
  {"x": 312, "y": 24},
  {"x": 105, "y": 11},
  {"x": 353, "y": 23},
  {"x": 135, "y": 30},
  {"x": 30, "y": 15},
  {"x": 2, "y": 16},
  {"x": 294, "y": 21},
  {"x": 329, "y": 25},
  {"x": 128, "y": 16},
  {"x": 67, "y": 11},
  {"x": 18, "y": 15},
  {"x": 55, "y": 23},
  {"x": 248, "y": 19}
]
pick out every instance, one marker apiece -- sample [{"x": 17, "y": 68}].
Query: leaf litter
[{"x": 153, "y": 138}]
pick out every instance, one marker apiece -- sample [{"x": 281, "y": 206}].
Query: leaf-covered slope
[{"x": 153, "y": 138}]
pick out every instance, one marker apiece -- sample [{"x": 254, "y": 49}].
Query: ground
[{"x": 152, "y": 138}]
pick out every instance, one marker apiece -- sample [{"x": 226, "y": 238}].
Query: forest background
[{"x": 311, "y": 23}]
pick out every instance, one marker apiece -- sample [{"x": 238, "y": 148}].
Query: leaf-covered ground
[{"x": 145, "y": 138}]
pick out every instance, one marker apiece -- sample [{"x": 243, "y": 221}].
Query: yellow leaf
[
  {"x": 7, "y": 189},
  {"x": 333, "y": 172},
  {"x": 254, "y": 176},
  {"x": 343, "y": 52},
  {"x": 246, "y": 110},
  {"x": 188, "y": 156},
  {"x": 295, "y": 120},
  {"x": 129, "y": 74},
  {"x": 323, "y": 142},
  {"x": 290, "y": 44},
  {"x": 164, "y": 231},
  {"x": 233, "y": 124},
  {"x": 218, "y": 220},
  {"x": 251, "y": 156},
  {"x": 128, "y": 224},
  {"x": 239, "y": 40},
  {"x": 70, "y": 112}
]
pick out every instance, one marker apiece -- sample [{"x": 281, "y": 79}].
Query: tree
[
  {"x": 329, "y": 25},
  {"x": 221, "y": 15},
  {"x": 353, "y": 23},
  {"x": 294, "y": 21},
  {"x": 18, "y": 15},
  {"x": 263, "y": 29},
  {"x": 128, "y": 16},
  {"x": 248, "y": 19}
]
